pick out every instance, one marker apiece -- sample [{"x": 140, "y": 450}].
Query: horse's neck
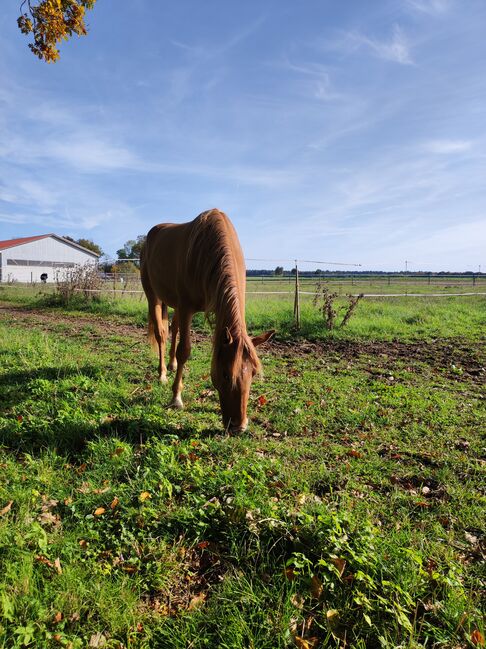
[{"x": 230, "y": 313}]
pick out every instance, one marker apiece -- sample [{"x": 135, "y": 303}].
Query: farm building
[{"x": 46, "y": 257}]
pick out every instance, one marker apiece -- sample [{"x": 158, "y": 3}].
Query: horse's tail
[
  {"x": 151, "y": 334},
  {"x": 147, "y": 287}
]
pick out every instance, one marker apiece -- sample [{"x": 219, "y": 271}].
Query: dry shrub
[
  {"x": 81, "y": 280},
  {"x": 324, "y": 301}
]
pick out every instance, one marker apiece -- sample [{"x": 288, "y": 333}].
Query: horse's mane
[{"x": 213, "y": 255}]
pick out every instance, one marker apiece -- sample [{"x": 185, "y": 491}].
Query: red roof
[{"x": 10, "y": 243}]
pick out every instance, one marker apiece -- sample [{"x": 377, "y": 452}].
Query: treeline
[{"x": 265, "y": 272}]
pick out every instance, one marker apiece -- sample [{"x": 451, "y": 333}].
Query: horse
[{"x": 199, "y": 267}]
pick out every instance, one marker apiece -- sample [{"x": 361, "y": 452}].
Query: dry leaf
[
  {"x": 477, "y": 638},
  {"x": 57, "y": 618},
  {"x": 353, "y": 453},
  {"x": 114, "y": 503},
  {"x": 83, "y": 544},
  {"x": 316, "y": 587},
  {"x": 297, "y": 600},
  {"x": 332, "y": 615},
  {"x": 99, "y": 511},
  {"x": 82, "y": 468},
  {"x": 7, "y": 508},
  {"x": 57, "y": 637},
  {"x": 145, "y": 495},
  {"x": 290, "y": 574},
  {"x": 101, "y": 491},
  {"x": 118, "y": 451},
  {"x": 306, "y": 643},
  {"x": 340, "y": 564},
  {"x": 57, "y": 566},
  {"x": 130, "y": 569},
  {"x": 197, "y": 601},
  {"x": 97, "y": 640},
  {"x": 262, "y": 400}
]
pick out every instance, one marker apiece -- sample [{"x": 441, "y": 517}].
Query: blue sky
[{"x": 332, "y": 130}]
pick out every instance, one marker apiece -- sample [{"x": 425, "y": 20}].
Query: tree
[
  {"x": 278, "y": 270},
  {"x": 132, "y": 249},
  {"x": 52, "y": 21},
  {"x": 86, "y": 243}
]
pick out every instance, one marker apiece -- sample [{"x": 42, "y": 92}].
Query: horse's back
[{"x": 177, "y": 254}]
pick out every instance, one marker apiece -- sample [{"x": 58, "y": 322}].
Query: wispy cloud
[
  {"x": 446, "y": 147},
  {"x": 395, "y": 49},
  {"x": 431, "y": 7}
]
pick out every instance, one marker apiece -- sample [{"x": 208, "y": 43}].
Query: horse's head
[{"x": 234, "y": 365}]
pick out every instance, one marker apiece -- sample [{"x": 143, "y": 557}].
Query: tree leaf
[{"x": 99, "y": 511}]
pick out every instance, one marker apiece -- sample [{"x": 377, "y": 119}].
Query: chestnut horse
[{"x": 199, "y": 266}]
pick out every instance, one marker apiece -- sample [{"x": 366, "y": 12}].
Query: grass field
[{"x": 350, "y": 514}]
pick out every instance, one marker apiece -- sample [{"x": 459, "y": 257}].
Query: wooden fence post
[{"x": 297, "y": 298}]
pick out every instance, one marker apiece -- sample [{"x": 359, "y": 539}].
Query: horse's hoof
[
  {"x": 163, "y": 378},
  {"x": 172, "y": 367},
  {"x": 176, "y": 404}
]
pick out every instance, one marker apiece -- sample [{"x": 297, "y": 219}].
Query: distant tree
[
  {"x": 86, "y": 243},
  {"x": 125, "y": 267},
  {"x": 52, "y": 21},
  {"x": 132, "y": 248},
  {"x": 293, "y": 271},
  {"x": 318, "y": 271},
  {"x": 278, "y": 270}
]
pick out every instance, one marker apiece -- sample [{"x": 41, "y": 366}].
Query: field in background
[{"x": 350, "y": 514}]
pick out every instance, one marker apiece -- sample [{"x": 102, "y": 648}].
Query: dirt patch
[{"x": 453, "y": 357}]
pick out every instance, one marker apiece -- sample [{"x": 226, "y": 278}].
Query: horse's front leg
[{"x": 182, "y": 354}]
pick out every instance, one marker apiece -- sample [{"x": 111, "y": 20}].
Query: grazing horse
[{"x": 199, "y": 266}]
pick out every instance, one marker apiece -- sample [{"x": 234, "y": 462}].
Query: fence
[{"x": 296, "y": 286}]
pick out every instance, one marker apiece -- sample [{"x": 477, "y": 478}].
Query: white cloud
[
  {"x": 395, "y": 49},
  {"x": 445, "y": 147},
  {"x": 431, "y": 7}
]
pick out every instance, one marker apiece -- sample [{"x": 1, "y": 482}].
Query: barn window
[{"x": 31, "y": 262}]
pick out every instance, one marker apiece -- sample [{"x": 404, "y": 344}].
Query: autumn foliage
[{"x": 52, "y": 21}]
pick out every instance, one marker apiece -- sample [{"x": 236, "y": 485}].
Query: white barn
[{"x": 29, "y": 258}]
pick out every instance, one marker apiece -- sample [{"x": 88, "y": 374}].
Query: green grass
[
  {"x": 374, "y": 318},
  {"x": 350, "y": 512}
]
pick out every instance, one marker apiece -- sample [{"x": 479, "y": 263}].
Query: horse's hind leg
[
  {"x": 182, "y": 354},
  {"x": 173, "y": 346},
  {"x": 159, "y": 316}
]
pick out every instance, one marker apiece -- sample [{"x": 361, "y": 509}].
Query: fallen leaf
[
  {"x": 114, "y": 503},
  {"x": 57, "y": 618},
  {"x": 7, "y": 508},
  {"x": 101, "y": 491},
  {"x": 353, "y": 453},
  {"x": 290, "y": 574},
  {"x": 83, "y": 544},
  {"x": 82, "y": 468},
  {"x": 97, "y": 640},
  {"x": 477, "y": 638},
  {"x": 316, "y": 587},
  {"x": 197, "y": 601},
  {"x": 57, "y": 637},
  {"x": 118, "y": 451},
  {"x": 340, "y": 564},
  {"x": 139, "y": 627},
  {"x": 99, "y": 511},
  {"x": 68, "y": 501},
  {"x": 203, "y": 544},
  {"x": 332, "y": 615},
  {"x": 297, "y": 600},
  {"x": 145, "y": 495},
  {"x": 129, "y": 569},
  {"x": 306, "y": 643},
  {"x": 262, "y": 400},
  {"x": 57, "y": 566}
]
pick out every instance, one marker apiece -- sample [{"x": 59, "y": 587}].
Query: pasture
[{"x": 350, "y": 514}]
